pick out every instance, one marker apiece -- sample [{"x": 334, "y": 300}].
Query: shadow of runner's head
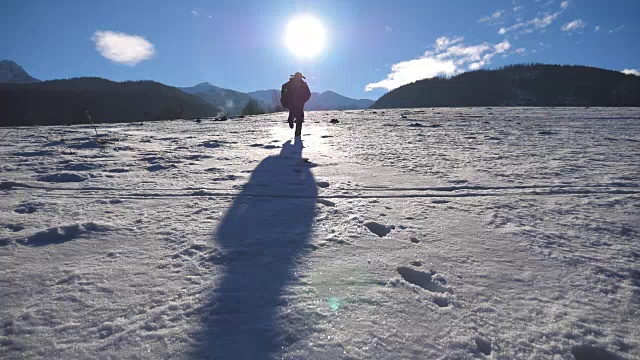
[
  {"x": 292, "y": 150},
  {"x": 260, "y": 237}
]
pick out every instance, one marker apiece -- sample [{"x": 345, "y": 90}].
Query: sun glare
[{"x": 305, "y": 36}]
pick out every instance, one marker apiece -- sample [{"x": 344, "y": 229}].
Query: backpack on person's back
[{"x": 285, "y": 95}]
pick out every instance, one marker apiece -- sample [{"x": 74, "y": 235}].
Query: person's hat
[{"x": 298, "y": 74}]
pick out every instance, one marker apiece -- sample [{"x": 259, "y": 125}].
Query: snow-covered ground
[{"x": 407, "y": 234}]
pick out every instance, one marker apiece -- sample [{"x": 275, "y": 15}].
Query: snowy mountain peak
[{"x": 12, "y": 73}]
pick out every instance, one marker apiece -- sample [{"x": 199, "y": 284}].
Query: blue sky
[{"x": 370, "y": 45}]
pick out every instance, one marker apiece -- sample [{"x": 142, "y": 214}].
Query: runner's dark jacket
[{"x": 295, "y": 93}]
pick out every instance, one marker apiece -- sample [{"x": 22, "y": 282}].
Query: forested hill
[
  {"x": 65, "y": 101},
  {"x": 520, "y": 85},
  {"x": 230, "y": 101}
]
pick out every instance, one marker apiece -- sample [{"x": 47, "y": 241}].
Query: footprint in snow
[
  {"x": 379, "y": 229},
  {"x": 211, "y": 144},
  {"x": 483, "y": 345},
  {"x": 62, "y": 234},
  {"x": 428, "y": 280},
  {"x": 229, "y": 177},
  {"x": 586, "y": 352},
  {"x": 326, "y": 202},
  {"x": 34, "y": 153},
  {"x": 62, "y": 177},
  {"x": 14, "y": 227},
  {"x": 27, "y": 207},
  {"x": 157, "y": 167},
  {"x": 440, "y": 201},
  {"x": 110, "y": 201},
  {"x": 81, "y": 166},
  {"x": 546, "y": 132}
]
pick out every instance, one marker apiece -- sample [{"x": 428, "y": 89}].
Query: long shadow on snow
[{"x": 262, "y": 237}]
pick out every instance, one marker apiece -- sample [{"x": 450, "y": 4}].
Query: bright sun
[{"x": 305, "y": 36}]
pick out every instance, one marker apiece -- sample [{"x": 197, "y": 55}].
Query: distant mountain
[
  {"x": 64, "y": 102},
  {"x": 327, "y": 100},
  {"x": 520, "y": 85},
  {"x": 270, "y": 99},
  {"x": 12, "y": 73},
  {"x": 330, "y": 100},
  {"x": 230, "y": 101}
]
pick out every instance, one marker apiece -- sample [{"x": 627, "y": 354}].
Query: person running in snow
[{"x": 294, "y": 94}]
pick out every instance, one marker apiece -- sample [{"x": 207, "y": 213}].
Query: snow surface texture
[{"x": 397, "y": 234}]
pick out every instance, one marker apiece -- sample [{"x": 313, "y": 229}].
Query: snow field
[{"x": 420, "y": 233}]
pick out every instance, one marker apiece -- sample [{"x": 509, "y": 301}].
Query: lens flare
[{"x": 305, "y": 36}]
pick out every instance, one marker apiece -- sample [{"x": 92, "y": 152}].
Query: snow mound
[
  {"x": 61, "y": 234},
  {"x": 62, "y": 177}
]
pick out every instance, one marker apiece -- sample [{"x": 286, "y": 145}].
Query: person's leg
[
  {"x": 298, "y": 127},
  {"x": 291, "y": 116},
  {"x": 299, "y": 120}
]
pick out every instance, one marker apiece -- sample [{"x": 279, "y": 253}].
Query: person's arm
[{"x": 307, "y": 92}]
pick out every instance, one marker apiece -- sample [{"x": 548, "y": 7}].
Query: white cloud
[
  {"x": 388, "y": 28},
  {"x": 502, "y": 47},
  {"x": 444, "y": 42},
  {"x": 615, "y": 30},
  {"x": 409, "y": 71},
  {"x": 631, "y": 72},
  {"x": 540, "y": 22},
  {"x": 546, "y": 20},
  {"x": 531, "y": 25},
  {"x": 194, "y": 13},
  {"x": 518, "y": 8},
  {"x": 210, "y": 16},
  {"x": 597, "y": 28},
  {"x": 123, "y": 48},
  {"x": 450, "y": 57},
  {"x": 493, "y": 17},
  {"x": 577, "y": 24},
  {"x": 521, "y": 51}
]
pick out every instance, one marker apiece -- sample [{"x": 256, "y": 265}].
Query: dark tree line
[
  {"x": 520, "y": 85},
  {"x": 252, "y": 108},
  {"x": 65, "y": 102}
]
